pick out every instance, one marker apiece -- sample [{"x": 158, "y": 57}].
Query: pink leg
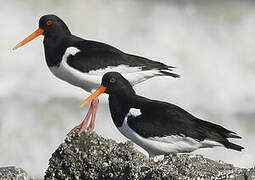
[
  {"x": 151, "y": 160},
  {"x": 84, "y": 123},
  {"x": 93, "y": 117}
]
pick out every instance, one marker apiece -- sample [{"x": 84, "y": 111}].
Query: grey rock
[
  {"x": 89, "y": 156},
  {"x": 12, "y": 172},
  {"x": 250, "y": 174}
]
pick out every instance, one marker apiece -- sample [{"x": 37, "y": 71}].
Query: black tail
[
  {"x": 233, "y": 146},
  {"x": 230, "y": 134},
  {"x": 233, "y": 135},
  {"x": 167, "y": 71},
  {"x": 220, "y": 134}
]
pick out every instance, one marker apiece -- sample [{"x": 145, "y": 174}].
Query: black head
[
  {"x": 52, "y": 24},
  {"x": 115, "y": 83}
]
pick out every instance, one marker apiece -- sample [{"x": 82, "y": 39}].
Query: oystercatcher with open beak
[
  {"x": 83, "y": 62},
  {"x": 158, "y": 127}
]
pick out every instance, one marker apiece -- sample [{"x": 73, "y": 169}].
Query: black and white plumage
[
  {"x": 159, "y": 127},
  {"x": 83, "y": 62}
]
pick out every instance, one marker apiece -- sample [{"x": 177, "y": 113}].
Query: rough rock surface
[
  {"x": 13, "y": 172},
  {"x": 250, "y": 174},
  {"x": 89, "y": 156}
]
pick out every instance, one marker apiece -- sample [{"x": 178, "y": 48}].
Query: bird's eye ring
[
  {"x": 49, "y": 22},
  {"x": 113, "y": 80}
]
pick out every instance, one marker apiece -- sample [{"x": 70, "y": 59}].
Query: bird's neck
[
  {"x": 120, "y": 106},
  {"x": 54, "y": 49}
]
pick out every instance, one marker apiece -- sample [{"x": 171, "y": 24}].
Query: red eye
[
  {"x": 48, "y": 23},
  {"x": 112, "y": 80}
]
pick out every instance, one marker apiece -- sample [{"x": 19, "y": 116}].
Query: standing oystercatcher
[
  {"x": 158, "y": 127},
  {"x": 82, "y": 62}
]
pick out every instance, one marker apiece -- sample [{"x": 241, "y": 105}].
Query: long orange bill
[
  {"x": 29, "y": 38},
  {"x": 99, "y": 91}
]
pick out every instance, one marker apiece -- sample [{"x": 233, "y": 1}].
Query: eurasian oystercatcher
[
  {"x": 158, "y": 127},
  {"x": 83, "y": 62}
]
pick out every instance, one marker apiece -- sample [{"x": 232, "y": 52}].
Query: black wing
[
  {"x": 160, "y": 119},
  {"x": 95, "y": 55}
]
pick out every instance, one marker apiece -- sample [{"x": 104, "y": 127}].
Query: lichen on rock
[
  {"x": 12, "y": 172},
  {"x": 90, "y": 156}
]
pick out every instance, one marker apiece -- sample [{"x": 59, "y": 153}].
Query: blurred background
[{"x": 211, "y": 43}]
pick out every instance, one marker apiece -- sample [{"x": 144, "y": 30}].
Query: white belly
[{"x": 154, "y": 147}]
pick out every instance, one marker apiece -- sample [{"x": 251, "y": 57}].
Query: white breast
[
  {"x": 74, "y": 76},
  {"x": 164, "y": 145}
]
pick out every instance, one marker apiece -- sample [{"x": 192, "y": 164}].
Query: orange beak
[
  {"x": 99, "y": 91},
  {"x": 29, "y": 38}
]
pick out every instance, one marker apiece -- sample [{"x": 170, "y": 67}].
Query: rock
[
  {"x": 13, "y": 172},
  {"x": 250, "y": 174},
  {"x": 89, "y": 156}
]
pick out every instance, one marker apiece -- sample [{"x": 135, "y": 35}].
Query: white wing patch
[
  {"x": 135, "y": 112},
  {"x": 174, "y": 139},
  {"x": 120, "y": 68},
  {"x": 186, "y": 141},
  {"x": 137, "y": 77},
  {"x": 134, "y": 75},
  {"x": 70, "y": 51},
  {"x": 132, "y": 112}
]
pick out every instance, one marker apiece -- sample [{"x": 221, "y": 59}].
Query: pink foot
[{"x": 151, "y": 161}]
